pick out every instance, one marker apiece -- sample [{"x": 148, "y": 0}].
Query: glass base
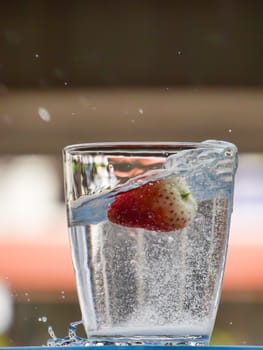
[{"x": 191, "y": 340}]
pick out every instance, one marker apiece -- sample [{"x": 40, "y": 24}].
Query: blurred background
[{"x": 88, "y": 71}]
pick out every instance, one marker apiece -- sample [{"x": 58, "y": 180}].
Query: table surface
[{"x": 141, "y": 347}]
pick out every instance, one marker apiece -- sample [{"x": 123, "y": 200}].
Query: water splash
[{"x": 72, "y": 339}]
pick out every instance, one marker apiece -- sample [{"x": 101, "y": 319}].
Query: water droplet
[
  {"x": 141, "y": 111},
  {"x": 44, "y": 114},
  {"x": 42, "y": 319},
  {"x": 51, "y": 332}
]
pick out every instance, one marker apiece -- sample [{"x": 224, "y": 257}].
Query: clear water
[{"x": 139, "y": 286}]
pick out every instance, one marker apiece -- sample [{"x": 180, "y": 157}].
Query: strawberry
[{"x": 162, "y": 205}]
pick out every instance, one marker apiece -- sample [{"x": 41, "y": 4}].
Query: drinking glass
[{"x": 148, "y": 227}]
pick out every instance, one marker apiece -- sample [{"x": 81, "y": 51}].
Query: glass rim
[{"x": 144, "y": 145}]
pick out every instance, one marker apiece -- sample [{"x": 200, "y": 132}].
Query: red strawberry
[{"x": 162, "y": 205}]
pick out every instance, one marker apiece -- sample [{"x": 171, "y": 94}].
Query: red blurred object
[
  {"x": 244, "y": 272},
  {"x": 37, "y": 267}
]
